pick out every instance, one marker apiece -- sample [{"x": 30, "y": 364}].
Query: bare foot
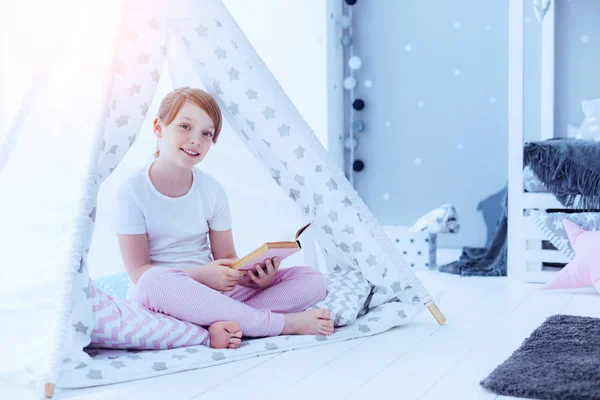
[
  {"x": 309, "y": 322},
  {"x": 225, "y": 335}
]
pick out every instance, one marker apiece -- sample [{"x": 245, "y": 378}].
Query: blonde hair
[{"x": 174, "y": 101}]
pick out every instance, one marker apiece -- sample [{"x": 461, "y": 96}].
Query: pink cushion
[{"x": 584, "y": 269}]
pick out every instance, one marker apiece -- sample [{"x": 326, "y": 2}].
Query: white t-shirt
[{"x": 177, "y": 228}]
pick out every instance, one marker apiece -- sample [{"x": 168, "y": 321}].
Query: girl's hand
[
  {"x": 264, "y": 277},
  {"x": 217, "y": 275}
]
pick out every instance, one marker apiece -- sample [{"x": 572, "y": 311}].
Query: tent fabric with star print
[{"x": 155, "y": 39}]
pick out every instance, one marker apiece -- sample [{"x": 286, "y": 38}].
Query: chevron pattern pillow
[
  {"x": 347, "y": 291},
  {"x": 120, "y": 324}
]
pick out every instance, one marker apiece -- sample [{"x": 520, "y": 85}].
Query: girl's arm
[
  {"x": 221, "y": 243},
  {"x": 135, "y": 253}
]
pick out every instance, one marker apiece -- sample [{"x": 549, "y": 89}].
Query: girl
[{"x": 174, "y": 233}]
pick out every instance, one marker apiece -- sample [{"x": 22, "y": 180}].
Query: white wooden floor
[{"x": 487, "y": 319}]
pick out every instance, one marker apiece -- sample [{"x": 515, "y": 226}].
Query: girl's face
[{"x": 187, "y": 139}]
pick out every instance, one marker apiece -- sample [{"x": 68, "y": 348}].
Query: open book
[{"x": 280, "y": 250}]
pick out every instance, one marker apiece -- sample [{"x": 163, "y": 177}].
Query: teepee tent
[{"x": 193, "y": 43}]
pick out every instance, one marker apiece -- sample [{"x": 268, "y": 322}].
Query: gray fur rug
[{"x": 560, "y": 360}]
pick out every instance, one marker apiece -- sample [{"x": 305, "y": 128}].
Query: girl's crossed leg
[{"x": 278, "y": 309}]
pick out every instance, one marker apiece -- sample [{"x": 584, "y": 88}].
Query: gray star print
[
  {"x": 300, "y": 152},
  {"x": 155, "y": 76},
  {"x": 284, "y": 163},
  {"x": 217, "y": 86},
  {"x": 87, "y": 290},
  {"x": 201, "y": 64},
  {"x": 349, "y": 230},
  {"x": 332, "y": 216},
  {"x": 332, "y": 185},
  {"x": 92, "y": 214},
  {"x": 123, "y": 120},
  {"x": 364, "y": 328},
  {"x": 245, "y": 135},
  {"x": 267, "y": 143},
  {"x": 134, "y": 89},
  {"x": 270, "y": 346},
  {"x": 284, "y": 130},
  {"x": 144, "y": 108},
  {"x": 186, "y": 42},
  {"x": 300, "y": 180},
  {"x": 94, "y": 374},
  {"x": 318, "y": 168},
  {"x": 252, "y": 94},
  {"x": 294, "y": 194},
  {"x": 233, "y": 107},
  {"x": 269, "y": 113},
  {"x": 416, "y": 299},
  {"x": 113, "y": 150},
  {"x": 218, "y": 23},
  {"x": 328, "y": 229},
  {"x": 81, "y": 365},
  {"x": 318, "y": 199},
  {"x": 357, "y": 246},
  {"x": 371, "y": 260},
  {"x": 346, "y": 202},
  {"x": 131, "y": 141},
  {"x": 217, "y": 356},
  {"x": 153, "y": 24},
  {"x": 80, "y": 327},
  {"x": 250, "y": 124},
  {"x": 202, "y": 30},
  {"x": 133, "y": 357},
  {"x": 343, "y": 246},
  {"x": 234, "y": 75},
  {"x": 396, "y": 287},
  {"x": 117, "y": 364},
  {"x": 159, "y": 366},
  {"x": 401, "y": 314},
  {"x": 192, "y": 351},
  {"x": 220, "y": 53},
  {"x": 143, "y": 58},
  {"x": 178, "y": 357}
]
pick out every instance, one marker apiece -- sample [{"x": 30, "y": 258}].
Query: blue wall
[{"x": 436, "y": 114}]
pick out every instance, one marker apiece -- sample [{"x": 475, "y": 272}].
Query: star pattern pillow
[{"x": 552, "y": 227}]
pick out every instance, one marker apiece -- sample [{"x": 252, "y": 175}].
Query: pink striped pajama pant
[{"x": 260, "y": 312}]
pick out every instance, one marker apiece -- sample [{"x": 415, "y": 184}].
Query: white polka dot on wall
[
  {"x": 386, "y": 196},
  {"x": 488, "y": 27},
  {"x": 355, "y": 62},
  {"x": 407, "y": 47},
  {"x": 492, "y": 100},
  {"x": 420, "y": 104},
  {"x": 368, "y": 83},
  {"x": 456, "y": 25},
  {"x": 388, "y": 124},
  {"x": 456, "y": 71},
  {"x": 585, "y": 39},
  {"x": 459, "y": 147},
  {"x": 418, "y": 161},
  {"x": 349, "y": 83}
]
